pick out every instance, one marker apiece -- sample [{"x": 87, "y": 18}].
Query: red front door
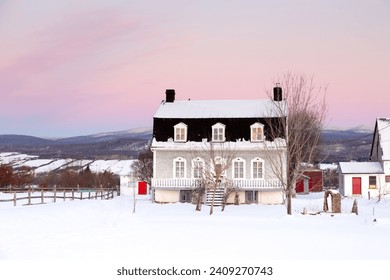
[
  {"x": 356, "y": 185},
  {"x": 142, "y": 188}
]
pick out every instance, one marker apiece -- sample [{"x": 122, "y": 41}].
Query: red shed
[{"x": 313, "y": 180}]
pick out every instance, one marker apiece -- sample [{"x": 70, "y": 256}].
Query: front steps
[{"x": 218, "y": 198}]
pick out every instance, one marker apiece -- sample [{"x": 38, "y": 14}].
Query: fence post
[
  {"x": 89, "y": 194},
  {"x": 29, "y": 196},
  {"x": 101, "y": 190},
  {"x": 64, "y": 194},
  {"x": 41, "y": 196},
  {"x": 55, "y": 193},
  {"x": 14, "y": 198},
  {"x": 81, "y": 196},
  {"x": 72, "y": 194}
]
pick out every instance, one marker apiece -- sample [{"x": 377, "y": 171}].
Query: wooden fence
[{"x": 40, "y": 195}]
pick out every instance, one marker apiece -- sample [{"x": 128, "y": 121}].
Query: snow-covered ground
[{"x": 100, "y": 230}]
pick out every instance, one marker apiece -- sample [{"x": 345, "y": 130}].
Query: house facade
[
  {"x": 193, "y": 141},
  {"x": 369, "y": 179}
]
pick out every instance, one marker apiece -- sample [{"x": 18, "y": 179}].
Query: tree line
[{"x": 24, "y": 178}]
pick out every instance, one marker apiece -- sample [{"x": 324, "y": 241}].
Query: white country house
[
  {"x": 186, "y": 131},
  {"x": 369, "y": 179}
]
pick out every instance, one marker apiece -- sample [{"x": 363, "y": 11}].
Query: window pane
[
  {"x": 238, "y": 169},
  {"x": 180, "y": 134},
  {"x": 179, "y": 169},
  {"x": 198, "y": 169},
  {"x": 257, "y": 134},
  {"x": 250, "y": 197},
  {"x": 218, "y": 134},
  {"x": 372, "y": 182},
  {"x": 257, "y": 169}
]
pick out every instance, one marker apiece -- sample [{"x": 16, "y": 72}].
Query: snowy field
[{"x": 106, "y": 230}]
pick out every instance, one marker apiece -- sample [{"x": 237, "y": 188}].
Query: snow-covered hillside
[{"x": 118, "y": 167}]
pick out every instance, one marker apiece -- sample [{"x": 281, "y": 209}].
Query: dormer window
[
  {"x": 180, "y": 132},
  {"x": 218, "y": 132},
  {"x": 257, "y": 132}
]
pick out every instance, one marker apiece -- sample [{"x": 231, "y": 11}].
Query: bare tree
[
  {"x": 306, "y": 107},
  {"x": 230, "y": 189},
  {"x": 143, "y": 167},
  {"x": 216, "y": 159},
  {"x": 6, "y": 176},
  {"x": 23, "y": 177},
  {"x": 198, "y": 193},
  {"x": 382, "y": 189}
]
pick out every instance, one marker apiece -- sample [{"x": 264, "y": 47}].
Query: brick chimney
[
  {"x": 278, "y": 93},
  {"x": 170, "y": 95}
]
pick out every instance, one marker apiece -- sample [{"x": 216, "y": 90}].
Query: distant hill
[
  {"x": 336, "y": 145},
  {"x": 345, "y": 145},
  {"x": 119, "y": 145},
  {"x": 17, "y": 140}
]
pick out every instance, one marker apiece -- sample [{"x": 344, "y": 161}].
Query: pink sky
[{"x": 73, "y": 69}]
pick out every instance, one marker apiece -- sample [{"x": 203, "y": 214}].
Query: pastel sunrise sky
[{"x": 70, "y": 67}]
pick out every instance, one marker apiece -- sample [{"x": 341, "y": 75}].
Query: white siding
[
  {"x": 347, "y": 179},
  {"x": 164, "y": 162}
]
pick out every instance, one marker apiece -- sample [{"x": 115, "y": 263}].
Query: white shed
[{"x": 360, "y": 178}]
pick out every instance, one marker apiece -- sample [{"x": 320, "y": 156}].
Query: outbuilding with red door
[
  {"x": 360, "y": 178},
  {"x": 310, "y": 181}
]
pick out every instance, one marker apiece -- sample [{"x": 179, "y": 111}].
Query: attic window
[
  {"x": 257, "y": 132},
  {"x": 218, "y": 132},
  {"x": 180, "y": 131}
]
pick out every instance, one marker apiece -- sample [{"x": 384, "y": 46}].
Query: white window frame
[
  {"x": 179, "y": 171},
  {"x": 257, "y": 160},
  {"x": 255, "y": 135},
  {"x": 196, "y": 162},
  {"x": 238, "y": 162},
  {"x": 180, "y": 132},
  {"x": 218, "y": 132}
]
